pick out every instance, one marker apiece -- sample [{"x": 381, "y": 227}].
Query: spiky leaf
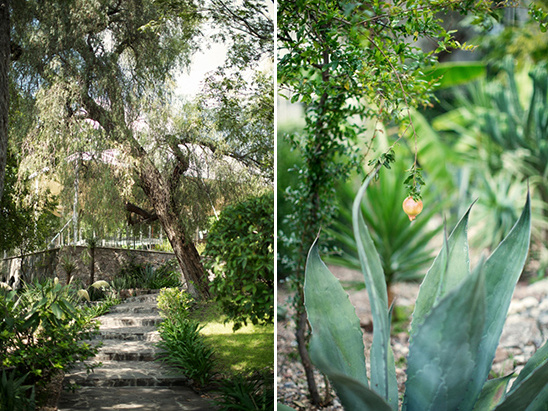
[
  {"x": 443, "y": 350},
  {"x": 502, "y": 271},
  {"x": 531, "y": 394},
  {"x": 492, "y": 392},
  {"x": 383, "y": 370},
  {"x": 336, "y": 345},
  {"x": 450, "y": 268}
]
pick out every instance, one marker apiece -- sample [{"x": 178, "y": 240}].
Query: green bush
[
  {"x": 42, "y": 331},
  {"x": 174, "y": 301},
  {"x": 185, "y": 349},
  {"x": 240, "y": 252}
]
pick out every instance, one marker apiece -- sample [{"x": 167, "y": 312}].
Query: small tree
[{"x": 240, "y": 251}]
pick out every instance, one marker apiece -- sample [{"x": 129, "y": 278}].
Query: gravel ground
[{"x": 525, "y": 330}]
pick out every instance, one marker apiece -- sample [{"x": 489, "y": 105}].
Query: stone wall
[{"x": 108, "y": 262}]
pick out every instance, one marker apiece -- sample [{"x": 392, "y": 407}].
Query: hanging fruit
[{"x": 412, "y": 208}]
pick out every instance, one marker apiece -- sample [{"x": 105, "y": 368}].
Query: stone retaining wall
[{"x": 108, "y": 262}]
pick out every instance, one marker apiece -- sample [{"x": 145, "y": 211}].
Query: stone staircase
[{"x": 128, "y": 335}]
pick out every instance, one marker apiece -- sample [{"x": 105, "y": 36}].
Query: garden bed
[{"x": 526, "y": 328}]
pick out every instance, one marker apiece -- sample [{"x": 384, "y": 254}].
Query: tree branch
[{"x": 145, "y": 216}]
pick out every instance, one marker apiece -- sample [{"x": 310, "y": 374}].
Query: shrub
[
  {"x": 457, "y": 323},
  {"x": 42, "y": 331},
  {"x": 185, "y": 349},
  {"x": 241, "y": 392},
  {"x": 174, "y": 301},
  {"x": 132, "y": 275},
  {"x": 14, "y": 395},
  {"x": 240, "y": 253}
]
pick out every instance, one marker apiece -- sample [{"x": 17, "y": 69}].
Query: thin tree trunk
[
  {"x": 92, "y": 265},
  {"x": 4, "y": 87}
]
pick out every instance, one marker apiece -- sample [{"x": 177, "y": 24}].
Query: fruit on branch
[{"x": 412, "y": 208}]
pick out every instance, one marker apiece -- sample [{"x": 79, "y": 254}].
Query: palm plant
[{"x": 403, "y": 246}]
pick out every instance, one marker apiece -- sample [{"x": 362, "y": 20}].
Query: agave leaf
[
  {"x": 357, "y": 396},
  {"x": 492, "y": 392},
  {"x": 531, "y": 394},
  {"x": 540, "y": 357},
  {"x": 450, "y": 268},
  {"x": 502, "y": 271},
  {"x": 336, "y": 345},
  {"x": 383, "y": 369},
  {"x": 283, "y": 407},
  {"x": 443, "y": 350}
]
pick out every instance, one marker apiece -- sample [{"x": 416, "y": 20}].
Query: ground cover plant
[
  {"x": 43, "y": 330},
  {"x": 456, "y": 326},
  {"x": 133, "y": 275}
]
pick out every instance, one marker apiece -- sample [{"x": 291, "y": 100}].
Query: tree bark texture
[
  {"x": 5, "y": 51},
  {"x": 158, "y": 192}
]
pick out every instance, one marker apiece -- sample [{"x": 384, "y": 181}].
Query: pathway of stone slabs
[{"x": 129, "y": 377}]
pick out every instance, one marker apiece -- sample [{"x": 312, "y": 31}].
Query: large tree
[{"x": 101, "y": 70}]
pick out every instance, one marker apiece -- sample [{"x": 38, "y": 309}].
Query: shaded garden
[{"x": 99, "y": 144}]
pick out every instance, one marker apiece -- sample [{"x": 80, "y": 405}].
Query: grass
[{"x": 249, "y": 348}]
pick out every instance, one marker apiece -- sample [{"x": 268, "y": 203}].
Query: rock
[
  {"x": 522, "y": 305},
  {"x": 520, "y": 331}
]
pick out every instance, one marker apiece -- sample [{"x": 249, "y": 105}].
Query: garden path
[{"x": 129, "y": 377}]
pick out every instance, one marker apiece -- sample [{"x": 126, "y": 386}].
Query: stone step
[
  {"x": 134, "y": 308},
  {"x": 128, "y": 320},
  {"x": 125, "y": 374},
  {"x": 134, "y": 333},
  {"x": 134, "y": 398},
  {"x": 144, "y": 298},
  {"x": 116, "y": 350}
]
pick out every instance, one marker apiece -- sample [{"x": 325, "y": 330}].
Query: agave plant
[{"x": 457, "y": 323}]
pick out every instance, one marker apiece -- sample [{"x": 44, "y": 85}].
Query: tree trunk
[
  {"x": 4, "y": 87},
  {"x": 159, "y": 193}
]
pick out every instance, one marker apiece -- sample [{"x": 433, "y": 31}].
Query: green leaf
[
  {"x": 282, "y": 407},
  {"x": 443, "y": 350},
  {"x": 451, "y": 267},
  {"x": 383, "y": 370},
  {"x": 492, "y": 392},
  {"x": 358, "y": 396},
  {"x": 531, "y": 394},
  {"x": 336, "y": 345},
  {"x": 57, "y": 311},
  {"x": 540, "y": 356},
  {"x": 453, "y": 74},
  {"x": 502, "y": 271}
]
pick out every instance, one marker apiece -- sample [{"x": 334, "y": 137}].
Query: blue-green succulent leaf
[
  {"x": 336, "y": 345},
  {"x": 383, "y": 369},
  {"x": 449, "y": 269},
  {"x": 539, "y": 358},
  {"x": 531, "y": 394},
  {"x": 443, "y": 350},
  {"x": 492, "y": 392},
  {"x": 356, "y": 396},
  {"x": 502, "y": 271}
]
